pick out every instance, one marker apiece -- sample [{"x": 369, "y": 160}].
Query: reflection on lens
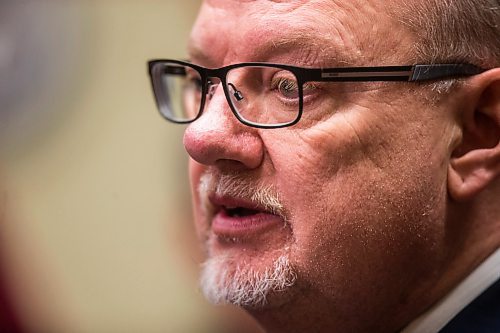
[
  {"x": 264, "y": 95},
  {"x": 178, "y": 90}
]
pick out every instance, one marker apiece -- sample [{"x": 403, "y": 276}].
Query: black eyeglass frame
[{"x": 409, "y": 73}]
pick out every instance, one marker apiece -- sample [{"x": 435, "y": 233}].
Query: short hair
[{"x": 454, "y": 30}]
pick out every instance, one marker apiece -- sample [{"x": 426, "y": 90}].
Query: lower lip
[{"x": 244, "y": 226}]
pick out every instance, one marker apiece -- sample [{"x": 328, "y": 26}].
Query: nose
[{"x": 218, "y": 137}]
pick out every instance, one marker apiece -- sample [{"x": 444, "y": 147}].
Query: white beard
[
  {"x": 226, "y": 279},
  {"x": 225, "y": 282}
]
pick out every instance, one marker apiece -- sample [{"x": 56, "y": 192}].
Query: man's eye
[{"x": 286, "y": 87}]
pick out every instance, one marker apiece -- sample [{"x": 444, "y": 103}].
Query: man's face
[{"x": 344, "y": 210}]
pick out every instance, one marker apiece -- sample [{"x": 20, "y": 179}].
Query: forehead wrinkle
[
  {"x": 380, "y": 36},
  {"x": 320, "y": 33},
  {"x": 307, "y": 50},
  {"x": 305, "y": 46},
  {"x": 312, "y": 28}
]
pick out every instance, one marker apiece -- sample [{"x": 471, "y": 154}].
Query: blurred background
[{"x": 96, "y": 235}]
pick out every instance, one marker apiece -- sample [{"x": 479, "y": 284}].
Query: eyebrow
[
  {"x": 312, "y": 50},
  {"x": 197, "y": 53},
  {"x": 322, "y": 50}
]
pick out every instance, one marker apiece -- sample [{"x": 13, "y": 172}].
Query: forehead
[{"x": 316, "y": 32}]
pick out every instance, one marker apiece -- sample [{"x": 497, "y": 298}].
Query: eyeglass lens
[
  {"x": 263, "y": 95},
  {"x": 260, "y": 95},
  {"x": 178, "y": 90}
]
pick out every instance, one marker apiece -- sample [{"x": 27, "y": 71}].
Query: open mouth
[
  {"x": 234, "y": 217},
  {"x": 240, "y": 211},
  {"x": 235, "y": 207}
]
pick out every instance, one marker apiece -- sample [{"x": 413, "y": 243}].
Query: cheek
[
  {"x": 354, "y": 235},
  {"x": 360, "y": 219}
]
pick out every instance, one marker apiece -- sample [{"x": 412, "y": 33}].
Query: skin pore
[{"x": 368, "y": 226}]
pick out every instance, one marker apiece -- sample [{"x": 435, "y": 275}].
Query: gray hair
[
  {"x": 455, "y": 30},
  {"x": 463, "y": 31}
]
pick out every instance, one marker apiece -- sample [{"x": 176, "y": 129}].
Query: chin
[{"x": 248, "y": 282}]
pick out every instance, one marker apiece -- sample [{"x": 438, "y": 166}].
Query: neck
[{"x": 472, "y": 235}]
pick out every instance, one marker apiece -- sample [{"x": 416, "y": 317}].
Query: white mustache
[{"x": 264, "y": 196}]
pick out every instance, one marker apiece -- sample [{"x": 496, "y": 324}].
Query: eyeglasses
[{"x": 266, "y": 95}]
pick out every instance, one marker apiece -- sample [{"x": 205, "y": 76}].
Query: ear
[{"x": 475, "y": 163}]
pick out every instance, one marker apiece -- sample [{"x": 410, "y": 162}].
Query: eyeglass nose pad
[
  {"x": 212, "y": 85},
  {"x": 211, "y": 89},
  {"x": 236, "y": 93}
]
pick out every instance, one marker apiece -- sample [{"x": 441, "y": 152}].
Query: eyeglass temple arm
[
  {"x": 392, "y": 73},
  {"x": 440, "y": 71}
]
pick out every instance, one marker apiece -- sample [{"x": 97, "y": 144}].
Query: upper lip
[{"x": 225, "y": 202}]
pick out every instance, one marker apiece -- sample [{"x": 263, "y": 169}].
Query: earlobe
[{"x": 475, "y": 163}]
